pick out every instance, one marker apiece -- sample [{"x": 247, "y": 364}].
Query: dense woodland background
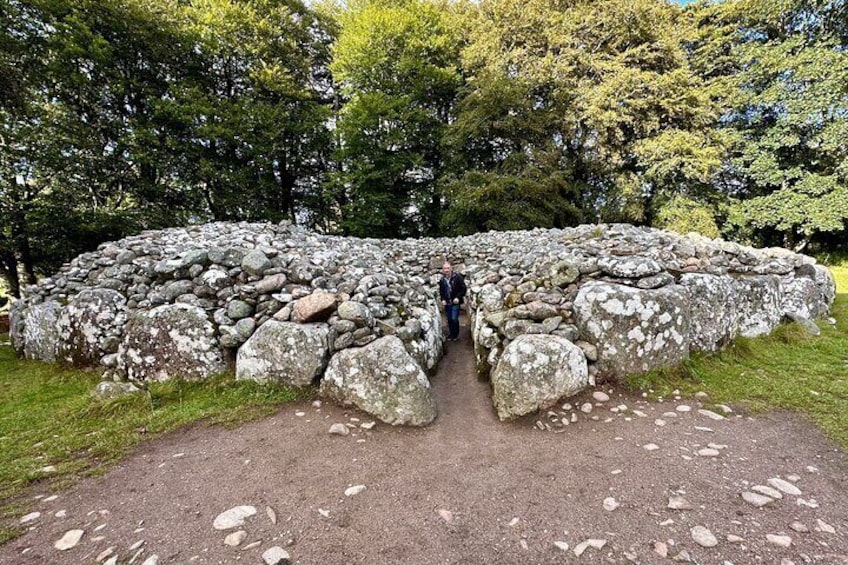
[{"x": 400, "y": 118}]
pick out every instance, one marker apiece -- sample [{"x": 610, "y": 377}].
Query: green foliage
[
  {"x": 397, "y": 65},
  {"x": 685, "y": 215},
  {"x": 417, "y": 117},
  {"x": 47, "y": 417},
  {"x": 786, "y": 113},
  {"x": 125, "y": 114},
  {"x": 602, "y": 89},
  {"x": 788, "y": 370}
]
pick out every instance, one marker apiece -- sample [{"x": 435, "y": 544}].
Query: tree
[
  {"x": 253, "y": 114},
  {"x": 397, "y": 65},
  {"x": 784, "y": 84},
  {"x": 598, "y": 97}
]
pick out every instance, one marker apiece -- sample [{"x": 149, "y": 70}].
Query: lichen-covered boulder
[
  {"x": 534, "y": 372},
  {"x": 110, "y": 390},
  {"x": 173, "y": 341},
  {"x": 827, "y": 289},
  {"x": 356, "y": 312},
  {"x": 759, "y": 300},
  {"x": 383, "y": 380},
  {"x": 40, "y": 332},
  {"x": 801, "y": 298},
  {"x": 634, "y": 330},
  {"x": 285, "y": 352},
  {"x": 16, "y": 326},
  {"x": 713, "y": 311},
  {"x": 629, "y": 267},
  {"x": 90, "y": 326},
  {"x": 426, "y": 345}
]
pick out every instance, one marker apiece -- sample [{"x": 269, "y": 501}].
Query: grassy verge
[
  {"x": 48, "y": 418},
  {"x": 787, "y": 370}
]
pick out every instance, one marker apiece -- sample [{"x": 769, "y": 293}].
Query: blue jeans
[{"x": 452, "y": 314}]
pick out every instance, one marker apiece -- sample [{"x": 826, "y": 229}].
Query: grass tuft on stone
[
  {"x": 787, "y": 370},
  {"x": 48, "y": 418}
]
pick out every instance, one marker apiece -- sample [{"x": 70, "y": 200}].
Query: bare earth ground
[{"x": 467, "y": 489}]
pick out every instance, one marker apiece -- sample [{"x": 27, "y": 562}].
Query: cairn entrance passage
[{"x": 549, "y": 310}]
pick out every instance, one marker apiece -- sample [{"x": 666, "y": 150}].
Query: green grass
[
  {"x": 48, "y": 417},
  {"x": 787, "y": 370}
]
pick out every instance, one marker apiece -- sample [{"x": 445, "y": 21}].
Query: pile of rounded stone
[{"x": 550, "y": 309}]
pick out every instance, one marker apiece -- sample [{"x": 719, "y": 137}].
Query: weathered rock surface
[
  {"x": 285, "y": 352},
  {"x": 381, "y": 379},
  {"x": 41, "y": 332},
  {"x": 170, "y": 341},
  {"x": 534, "y": 372},
  {"x": 91, "y": 326},
  {"x": 634, "y": 330},
  {"x": 633, "y": 298},
  {"x": 712, "y": 310}
]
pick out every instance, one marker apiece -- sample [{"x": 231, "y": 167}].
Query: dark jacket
[{"x": 452, "y": 288}]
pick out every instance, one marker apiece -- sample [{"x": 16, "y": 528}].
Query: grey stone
[
  {"x": 89, "y": 316},
  {"x": 171, "y": 341},
  {"x": 285, "y": 352},
  {"x": 276, "y": 556},
  {"x": 563, "y": 273},
  {"x": 759, "y": 305},
  {"x": 655, "y": 281},
  {"x": 70, "y": 540},
  {"x": 714, "y": 312},
  {"x": 244, "y": 328},
  {"x": 108, "y": 390},
  {"x": 40, "y": 332},
  {"x": 634, "y": 330},
  {"x": 357, "y": 313},
  {"x": 536, "y": 371},
  {"x": 233, "y": 518},
  {"x": 383, "y": 380},
  {"x": 272, "y": 283},
  {"x": 178, "y": 288},
  {"x": 255, "y": 263},
  {"x": 703, "y": 537},
  {"x": 632, "y": 267},
  {"x": 229, "y": 257},
  {"x": 238, "y": 309}
]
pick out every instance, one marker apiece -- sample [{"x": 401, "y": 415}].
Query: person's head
[{"x": 447, "y": 269}]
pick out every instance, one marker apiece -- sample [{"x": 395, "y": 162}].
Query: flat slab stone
[
  {"x": 233, "y": 518},
  {"x": 69, "y": 540}
]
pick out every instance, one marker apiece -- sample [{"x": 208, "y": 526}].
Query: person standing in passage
[{"x": 452, "y": 291}]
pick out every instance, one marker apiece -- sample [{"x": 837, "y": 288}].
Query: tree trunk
[
  {"x": 285, "y": 203},
  {"x": 9, "y": 272}
]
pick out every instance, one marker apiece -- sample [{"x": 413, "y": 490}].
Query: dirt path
[{"x": 467, "y": 489}]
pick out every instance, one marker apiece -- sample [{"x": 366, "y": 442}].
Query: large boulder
[
  {"x": 827, "y": 286},
  {"x": 534, "y": 372},
  {"x": 801, "y": 298},
  {"x": 634, "y": 330},
  {"x": 427, "y": 346},
  {"x": 759, "y": 299},
  {"x": 90, "y": 326},
  {"x": 383, "y": 380},
  {"x": 16, "y": 326},
  {"x": 284, "y": 352},
  {"x": 713, "y": 310},
  {"x": 173, "y": 341},
  {"x": 40, "y": 332}
]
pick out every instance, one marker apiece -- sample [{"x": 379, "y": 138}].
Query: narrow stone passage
[{"x": 462, "y": 397}]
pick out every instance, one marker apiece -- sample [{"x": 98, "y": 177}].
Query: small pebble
[{"x": 779, "y": 541}]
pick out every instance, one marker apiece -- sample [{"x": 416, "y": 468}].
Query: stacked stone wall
[{"x": 282, "y": 303}]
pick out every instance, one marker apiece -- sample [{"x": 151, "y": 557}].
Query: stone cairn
[{"x": 550, "y": 310}]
